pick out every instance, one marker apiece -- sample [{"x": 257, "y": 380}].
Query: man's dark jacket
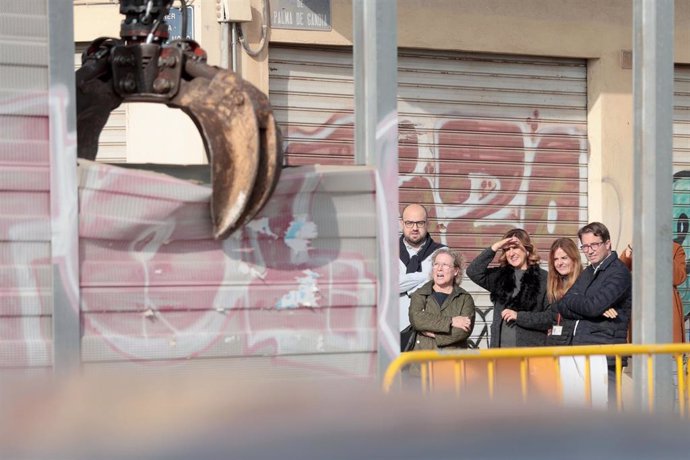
[{"x": 594, "y": 292}]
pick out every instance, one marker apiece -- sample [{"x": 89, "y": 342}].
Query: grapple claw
[{"x": 241, "y": 137}]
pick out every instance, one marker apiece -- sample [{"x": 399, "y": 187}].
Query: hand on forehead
[{"x": 513, "y": 242}]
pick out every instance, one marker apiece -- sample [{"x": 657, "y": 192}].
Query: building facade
[{"x": 510, "y": 113}]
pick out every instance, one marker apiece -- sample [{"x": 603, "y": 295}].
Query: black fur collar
[{"x": 527, "y": 298}]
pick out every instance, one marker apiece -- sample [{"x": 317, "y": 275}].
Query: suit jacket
[{"x": 594, "y": 292}]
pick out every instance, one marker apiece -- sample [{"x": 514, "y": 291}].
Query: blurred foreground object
[{"x": 213, "y": 417}]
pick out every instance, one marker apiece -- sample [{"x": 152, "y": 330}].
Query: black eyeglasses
[
  {"x": 593, "y": 246},
  {"x": 418, "y": 224}
]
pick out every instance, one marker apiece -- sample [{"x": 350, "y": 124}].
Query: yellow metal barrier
[{"x": 530, "y": 357}]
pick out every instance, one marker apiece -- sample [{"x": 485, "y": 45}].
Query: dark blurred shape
[{"x": 210, "y": 417}]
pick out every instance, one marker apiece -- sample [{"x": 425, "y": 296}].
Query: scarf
[
  {"x": 414, "y": 263},
  {"x": 527, "y": 298}
]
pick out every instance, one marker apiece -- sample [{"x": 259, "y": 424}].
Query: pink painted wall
[
  {"x": 297, "y": 282},
  {"x": 26, "y": 305}
]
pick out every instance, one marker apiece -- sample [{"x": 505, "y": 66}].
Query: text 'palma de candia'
[{"x": 289, "y": 18}]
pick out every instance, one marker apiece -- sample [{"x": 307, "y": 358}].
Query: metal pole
[
  {"x": 225, "y": 45},
  {"x": 233, "y": 46},
  {"x": 376, "y": 144},
  {"x": 653, "y": 170},
  {"x": 63, "y": 190}
]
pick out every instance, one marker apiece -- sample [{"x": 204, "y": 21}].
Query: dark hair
[
  {"x": 557, "y": 285},
  {"x": 597, "y": 229},
  {"x": 526, "y": 241}
]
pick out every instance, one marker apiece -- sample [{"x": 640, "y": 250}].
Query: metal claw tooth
[
  {"x": 231, "y": 135},
  {"x": 270, "y": 154},
  {"x": 231, "y": 211},
  {"x": 234, "y": 172}
]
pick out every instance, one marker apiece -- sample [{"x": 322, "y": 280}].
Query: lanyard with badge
[{"x": 557, "y": 329}]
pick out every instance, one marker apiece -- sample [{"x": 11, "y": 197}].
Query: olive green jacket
[{"x": 427, "y": 315}]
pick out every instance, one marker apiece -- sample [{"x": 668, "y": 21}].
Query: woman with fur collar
[{"x": 517, "y": 288}]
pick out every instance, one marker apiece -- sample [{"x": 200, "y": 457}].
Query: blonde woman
[{"x": 564, "y": 268}]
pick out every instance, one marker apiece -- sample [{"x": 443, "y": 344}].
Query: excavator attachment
[{"x": 234, "y": 118}]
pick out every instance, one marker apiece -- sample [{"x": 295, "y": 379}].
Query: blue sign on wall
[{"x": 174, "y": 21}]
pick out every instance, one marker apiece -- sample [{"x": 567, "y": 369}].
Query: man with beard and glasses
[{"x": 416, "y": 247}]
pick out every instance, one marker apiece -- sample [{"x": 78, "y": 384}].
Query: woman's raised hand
[{"x": 505, "y": 242}]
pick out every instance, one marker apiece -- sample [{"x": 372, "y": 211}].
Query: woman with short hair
[{"x": 441, "y": 311}]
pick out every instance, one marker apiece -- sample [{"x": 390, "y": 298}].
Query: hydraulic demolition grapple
[{"x": 242, "y": 140}]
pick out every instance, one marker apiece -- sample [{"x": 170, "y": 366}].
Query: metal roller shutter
[{"x": 486, "y": 142}]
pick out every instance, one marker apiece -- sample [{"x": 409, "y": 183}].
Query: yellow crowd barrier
[{"x": 537, "y": 368}]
